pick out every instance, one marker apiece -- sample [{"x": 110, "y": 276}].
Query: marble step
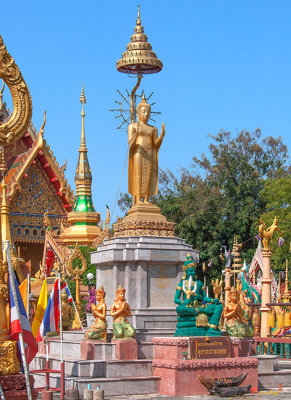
[
  {"x": 103, "y": 351},
  {"x": 142, "y": 335},
  {"x": 275, "y": 379},
  {"x": 97, "y": 368},
  {"x": 284, "y": 364},
  {"x": 111, "y": 386}
]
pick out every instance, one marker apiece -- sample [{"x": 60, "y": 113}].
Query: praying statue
[
  {"x": 235, "y": 322},
  {"x": 144, "y": 145},
  {"x": 67, "y": 312},
  {"x": 198, "y": 314},
  {"x": 120, "y": 310},
  {"x": 98, "y": 331}
]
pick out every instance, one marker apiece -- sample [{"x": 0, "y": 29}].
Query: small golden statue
[
  {"x": 98, "y": 331},
  {"x": 266, "y": 234},
  {"x": 67, "y": 312},
  {"x": 217, "y": 287},
  {"x": 120, "y": 310},
  {"x": 144, "y": 145},
  {"x": 234, "y": 317}
]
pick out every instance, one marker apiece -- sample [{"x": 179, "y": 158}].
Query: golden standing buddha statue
[
  {"x": 98, "y": 331},
  {"x": 144, "y": 145},
  {"x": 120, "y": 310}
]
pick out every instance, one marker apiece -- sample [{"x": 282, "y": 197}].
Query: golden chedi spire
[
  {"x": 236, "y": 260},
  {"x": 83, "y": 219},
  {"x": 83, "y": 177},
  {"x": 139, "y": 57},
  {"x": 286, "y": 295}
]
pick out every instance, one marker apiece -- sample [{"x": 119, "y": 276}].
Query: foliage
[
  {"x": 223, "y": 194},
  {"x": 91, "y": 299}
]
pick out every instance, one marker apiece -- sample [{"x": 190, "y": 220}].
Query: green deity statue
[{"x": 198, "y": 314}]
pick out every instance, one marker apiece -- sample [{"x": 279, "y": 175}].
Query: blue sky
[{"x": 226, "y": 63}]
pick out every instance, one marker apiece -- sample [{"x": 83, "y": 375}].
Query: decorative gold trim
[{"x": 18, "y": 122}]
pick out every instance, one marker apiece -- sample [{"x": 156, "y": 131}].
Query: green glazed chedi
[{"x": 198, "y": 314}]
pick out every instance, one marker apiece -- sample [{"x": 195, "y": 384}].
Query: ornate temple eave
[{"x": 41, "y": 151}]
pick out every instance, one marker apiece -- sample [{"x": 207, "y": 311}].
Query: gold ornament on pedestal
[
  {"x": 266, "y": 235},
  {"x": 76, "y": 274}
]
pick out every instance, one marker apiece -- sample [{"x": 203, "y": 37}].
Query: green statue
[{"x": 198, "y": 315}]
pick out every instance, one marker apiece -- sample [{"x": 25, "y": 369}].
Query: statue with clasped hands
[
  {"x": 198, "y": 314},
  {"x": 120, "y": 310}
]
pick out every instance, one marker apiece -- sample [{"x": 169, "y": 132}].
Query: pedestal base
[
  {"x": 14, "y": 387},
  {"x": 126, "y": 349},
  {"x": 144, "y": 219},
  {"x": 179, "y": 376},
  {"x": 197, "y": 331}
]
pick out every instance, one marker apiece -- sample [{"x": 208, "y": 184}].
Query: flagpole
[
  {"x": 27, "y": 304},
  {"x": 76, "y": 311},
  {"x": 12, "y": 283},
  {"x": 61, "y": 333},
  {"x": 1, "y": 393}
]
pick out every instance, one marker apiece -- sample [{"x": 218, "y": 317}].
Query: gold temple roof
[{"x": 39, "y": 150}]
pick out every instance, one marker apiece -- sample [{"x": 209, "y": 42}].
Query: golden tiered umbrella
[{"x": 138, "y": 58}]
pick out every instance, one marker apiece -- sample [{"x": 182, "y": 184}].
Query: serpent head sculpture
[{"x": 16, "y": 125}]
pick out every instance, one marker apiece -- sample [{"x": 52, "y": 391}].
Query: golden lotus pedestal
[{"x": 144, "y": 219}]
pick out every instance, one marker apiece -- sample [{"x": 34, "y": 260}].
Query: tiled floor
[{"x": 268, "y": 395}]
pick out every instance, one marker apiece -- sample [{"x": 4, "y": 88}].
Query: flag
[
  {"x": 259, "y": 238},
  {"x": 51, "y": 317},
  {"x": 40, "y": 309},
  {"x": 280, "y": 241},
  {"x": 210, "y": 262},
  {"x": 282, "y": 275},
  {"x": 23, "y": 292},
  {"x": 227, "y": 253},
  {"x": 17, "y": 325},
  {"x": 66, "y": 288},
  {"x": 49, "y": 260}
]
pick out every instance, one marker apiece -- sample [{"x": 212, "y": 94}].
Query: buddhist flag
[
  {"x": 23, "y": 292},
  {"x": 40, "y": 309}
]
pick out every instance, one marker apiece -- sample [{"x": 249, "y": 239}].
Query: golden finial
[
  {"x": 82, "y": 97},
  {"x": 138, "y": 21},
  {"x": 286, "y": 296},
  {"x": 120, "y": 289},
  {"x": 83, "y": 101},
  {"x": 279, "y": 291}
]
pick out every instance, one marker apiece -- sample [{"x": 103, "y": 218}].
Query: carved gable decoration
[{"x": 37, "y": 194}]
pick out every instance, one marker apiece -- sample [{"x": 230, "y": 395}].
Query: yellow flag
[
  {"x": 23, "y": 292},
  {"x": 40, "y": 309}
]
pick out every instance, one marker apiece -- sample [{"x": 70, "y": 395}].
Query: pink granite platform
[
  {"x": 179, "y": 377},
  {"x": 125, "y": 349}
]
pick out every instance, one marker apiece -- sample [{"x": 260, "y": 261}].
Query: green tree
[{"x": 223, "y": 194}]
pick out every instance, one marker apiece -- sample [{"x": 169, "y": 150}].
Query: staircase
[{"x": 115, "y": 377}]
